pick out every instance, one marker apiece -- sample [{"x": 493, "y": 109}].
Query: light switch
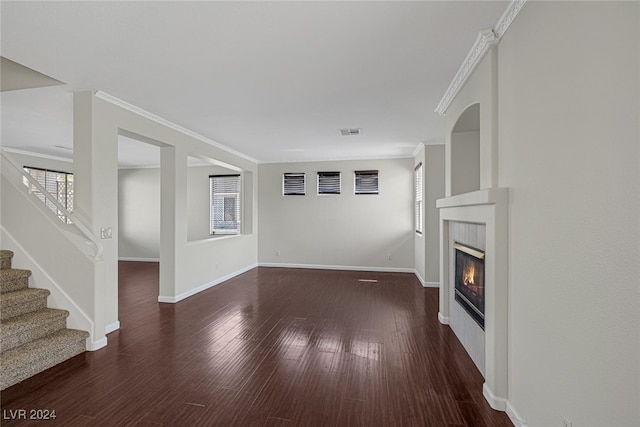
[{"x": 105, "y": 233}]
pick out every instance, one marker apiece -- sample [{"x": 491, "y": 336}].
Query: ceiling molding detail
[
  {"x": 146, "y": 114},
  {"x": 340, "y": 159},
  {"x": 507, "y": 17},
  {"x": 34, "y": 154},
  {"x": 485, "y": 41},
  {"x": 417, "y": 150}
]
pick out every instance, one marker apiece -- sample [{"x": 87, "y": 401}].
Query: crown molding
[
  {"x": 507, "y": 17},
  {"x": 148, "y": 115},
  {"x": 417, "y": 150},
  {"x": 34, "y": 154},
  {"x": 339, "y": 159},
  {"x": 485, "y": 41}
]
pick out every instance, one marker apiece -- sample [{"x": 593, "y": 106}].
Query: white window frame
[
  {"x": 290, "y": 190},
  {"x": 366, "y": 189},
  {"x": 418, "y": 191},
  {"x": 215, "y": 198},
  {"x": 337, "y": 192}
]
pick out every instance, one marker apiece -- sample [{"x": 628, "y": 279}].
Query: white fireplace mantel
[
  {"x": 489, "y": 196},
  {"x": 488, "y": 207}
]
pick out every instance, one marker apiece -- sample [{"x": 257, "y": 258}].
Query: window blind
[
  {"x": 366, "y": 182},
  {"x": 418, "y": 194},
  {"x": 328, "y": 182},
  {"x": 293, "y": 184},
  {"x": 58, "y": 184},
  {"x": 225, "y": 204}
]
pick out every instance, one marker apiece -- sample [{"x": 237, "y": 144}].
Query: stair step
[
  {"x": 13, "y": 279},
  {"x": 5, "y": 259},
  {"x": 34, "y": 357},
  {"x": 23, "y": 301},
  {"x": 22, "y": 329}
]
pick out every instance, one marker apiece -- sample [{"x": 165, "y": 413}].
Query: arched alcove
[{"x": 465, "y": 152}]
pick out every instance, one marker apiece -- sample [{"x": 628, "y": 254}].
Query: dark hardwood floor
[{"x": 271, "y": 347}]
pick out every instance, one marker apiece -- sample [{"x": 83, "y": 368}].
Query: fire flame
[{"x": 468, "y": 275}]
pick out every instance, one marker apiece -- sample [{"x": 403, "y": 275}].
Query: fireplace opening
[{"x": 469, "y": 281}]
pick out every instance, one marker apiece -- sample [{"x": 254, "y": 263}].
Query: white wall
[
  {"x": 97, "y": 123},
  {"x": 343, "y": 230},
  {"x": 139, "y": 209},
  {"x": 465, "y": 162},
  {"x": 139, "y": 214},
  {"x": 434, "y": 164},
  {"x": 569, "y": 152}
]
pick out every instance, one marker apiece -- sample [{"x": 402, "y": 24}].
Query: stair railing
[{"x": 72, "y": 218}]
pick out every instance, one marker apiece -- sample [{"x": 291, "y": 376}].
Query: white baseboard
[
  {"x": 497, "y": 403},
  {"x": 515, "y": 418},
  {"x": 112, "y": 327},
  {"x": 338, "y": 267},
  {"x": 178, "y": 298},
  {"x": 97, "y": 345},
  {"x": 443, "y": 319},
  {"x": 126, "y": 258}
]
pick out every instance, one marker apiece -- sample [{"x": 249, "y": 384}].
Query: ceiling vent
[{"x": 349, "y": 132}]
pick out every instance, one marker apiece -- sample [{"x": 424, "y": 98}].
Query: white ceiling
[{"x": 273, "y": 80}]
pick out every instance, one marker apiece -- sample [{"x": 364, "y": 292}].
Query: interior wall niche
[{"x": 465, "y": 152}]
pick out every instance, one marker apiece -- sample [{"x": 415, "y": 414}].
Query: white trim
[
  {"x": 436, "y": 141},
  {"x": 515, "y": 418},
  {"x": 126, "y": 167},
  {"x": 338, "y": 267},
  {"x": 39, "y": 155},
  {"x": 138, "y": 259},
  {"x": 96, "y": 345},
  {"x": 486, "y": 40},
  {"x": 417, "y": 150},
  {"x": 507, "y": 17},
  {"x": 178, "y": 298},
  {"x": 112, "y": 327},
  {"x": 422, "y": 281},
  {"x": 146, "y": 114},
  {"x": 443, "y": 319},
  {"x": 497, "y": 403},
  {"x": 339, "y": 159}
]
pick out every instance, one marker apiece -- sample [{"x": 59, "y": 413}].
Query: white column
[{"x": 173, "y": 219}]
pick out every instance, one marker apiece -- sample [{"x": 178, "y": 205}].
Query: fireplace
[{"x": 469, "y": 281}]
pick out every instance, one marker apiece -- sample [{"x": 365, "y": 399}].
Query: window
[
  {"x": 418, "y": 192},
  {"x": 328, "y": 182},
  {"x": 293, "y": 184},
  {"x": 366, "y": 182},
  {"x": 225, "y": 204},
  {"x": 58, "y": 184}
]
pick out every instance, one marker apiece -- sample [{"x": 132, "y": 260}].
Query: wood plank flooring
[{"x": 271, "y": 347}]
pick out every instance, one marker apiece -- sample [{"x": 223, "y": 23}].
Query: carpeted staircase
[{"x": 33, "y": 338}]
